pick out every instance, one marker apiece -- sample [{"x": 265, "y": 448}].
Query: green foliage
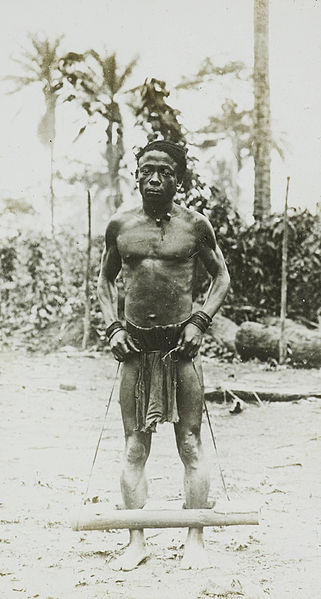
[
  {"x": 234, "y": 123},
  {"x": 43, "y": 289},
  {"x": 254, "y": 256},
  {"x": 160, "y": 120},
  {"x": 155, "y": 115},
  {"x": 209, "y": 71},
  {"x": 43, "y": 279},
  {"x": 41, "y": 62},
  {"x": 95, "y": 82}
]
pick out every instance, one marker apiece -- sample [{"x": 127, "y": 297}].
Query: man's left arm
[{"x": 212, "y": 258}]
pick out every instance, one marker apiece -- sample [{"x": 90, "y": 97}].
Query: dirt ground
[{"x": 48, "y": 436}]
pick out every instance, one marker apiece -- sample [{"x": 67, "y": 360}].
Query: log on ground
[
  {"x": 103, "y": 518},
  {"x": 248, "y": 395},
  {"x": 255, "y": 340}
]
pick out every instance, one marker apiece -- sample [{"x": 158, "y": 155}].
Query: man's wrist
[
  {"x": 201, "y": 320},
  {"x": 114, "y": 328}
]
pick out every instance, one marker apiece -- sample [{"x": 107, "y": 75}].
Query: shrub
[
  {"x": 43, "y": 289},
  {"x": 254, "y": 258},
  {"x": 43, "y": 286}
]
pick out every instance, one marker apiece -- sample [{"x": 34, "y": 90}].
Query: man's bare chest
[{"x": 168, "y": 242}]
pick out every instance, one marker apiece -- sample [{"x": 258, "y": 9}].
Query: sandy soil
[{"x": 48, "y": 437}]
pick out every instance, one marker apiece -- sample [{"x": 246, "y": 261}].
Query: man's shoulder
[
  {"x": 196, "y": 219},
  {"x": 122, "y": 218},
  {"x": 199, "y": 226}
]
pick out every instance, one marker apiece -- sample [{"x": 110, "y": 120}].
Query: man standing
[{"x": 161, "y": 380}]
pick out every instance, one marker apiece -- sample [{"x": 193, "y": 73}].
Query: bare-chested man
[{"x": 156, "y": 245}]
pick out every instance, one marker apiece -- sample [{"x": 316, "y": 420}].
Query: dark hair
[{"x": 172, "y": 149}]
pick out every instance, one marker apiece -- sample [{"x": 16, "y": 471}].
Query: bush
[
  {"x": 254, "y": 258},
  {"x": 43, "y": 289}
]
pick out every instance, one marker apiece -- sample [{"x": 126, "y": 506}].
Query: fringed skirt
[{"x": 156, "y": 385}]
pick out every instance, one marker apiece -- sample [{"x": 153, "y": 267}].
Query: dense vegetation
[{"x": 43, "y": 288}]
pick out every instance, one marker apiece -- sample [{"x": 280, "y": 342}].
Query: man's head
[
  {"x": 160, "y": 166},
  {"x": 176, "y": 152}
]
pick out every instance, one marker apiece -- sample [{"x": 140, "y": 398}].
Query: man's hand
[
  {"x": 122, "y": 345},
  {"x": 190, "y": 341}
]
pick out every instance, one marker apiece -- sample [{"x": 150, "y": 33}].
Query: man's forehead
[{"x": 157, "y": 157}]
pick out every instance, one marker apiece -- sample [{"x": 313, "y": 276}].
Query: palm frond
[
  {"x": 21, "y": 83},
  {"x": 96, "y": 56},
  {"x": 127, "y": 72},
  {"x": 27, "y": 66},
  {"x": 110, "y": 73}
]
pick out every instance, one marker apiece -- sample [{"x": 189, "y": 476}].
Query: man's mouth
[{"x": 154, "y": 191}]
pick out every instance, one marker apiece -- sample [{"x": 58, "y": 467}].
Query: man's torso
[{"x": 158, "y": 266}]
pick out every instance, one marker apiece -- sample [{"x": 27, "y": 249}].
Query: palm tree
[
  {"x": 97, "y": 85},
  {"x": 262, "y": 131},
  {"x": 41, "y": 66},
  {"x": 229, "y": 122},
  {"x": 237, "y": 126}
]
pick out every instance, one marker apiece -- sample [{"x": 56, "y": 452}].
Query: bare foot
[
  {"x": 134, "y": 554},
  {"x": 195, "y": 555}
]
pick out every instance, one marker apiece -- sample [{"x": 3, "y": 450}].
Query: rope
[
  {"x": 101, "y": 433},
  {"x": 104, "y": 422},
  {"x": 214, "y": 443},
  {"x": 212, "y": 435}
]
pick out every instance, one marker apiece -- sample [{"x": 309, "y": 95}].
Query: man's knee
[
  {"x": 189, "y": 448},
  {"x": 135, "y": 452}
]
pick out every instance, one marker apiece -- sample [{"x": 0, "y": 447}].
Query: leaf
[
  {"x": 70, "y": 98},
  {"x": 81, "y": 131}
]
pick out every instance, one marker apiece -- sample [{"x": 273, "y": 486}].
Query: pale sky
[{"x": 172, "y": 37}]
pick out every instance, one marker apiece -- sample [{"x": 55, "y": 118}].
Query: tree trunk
[
  {"x": 51, "y": 189},
  {"x": 114, "y": 155},
  {"x": 284, "y": 285},
  {"x": 87, "y": 288},
  {"x": 262, "y": 132},
  {"x": 47, "y": 134}
]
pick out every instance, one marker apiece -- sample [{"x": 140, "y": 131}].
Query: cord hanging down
[{"x": 101, "y": 433}]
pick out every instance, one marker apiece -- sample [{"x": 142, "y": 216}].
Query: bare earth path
[{"x": 48, "y": 436}]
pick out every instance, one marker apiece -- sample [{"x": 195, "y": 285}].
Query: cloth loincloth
[{"x": 156, "y": 385}]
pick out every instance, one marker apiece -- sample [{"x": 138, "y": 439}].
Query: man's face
[{"x": 157, "y": 177}]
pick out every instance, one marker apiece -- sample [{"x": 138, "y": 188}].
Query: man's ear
[{"x": 136, "y": 174}]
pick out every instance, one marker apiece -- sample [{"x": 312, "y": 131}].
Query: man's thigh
[
  {"x": 190, "y": 393},
  {"x": 128, "y": 380},
  {"x": 134, "y": 439}
]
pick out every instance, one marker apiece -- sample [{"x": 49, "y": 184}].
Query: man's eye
[
  {"x": 167, "y": 172},
  {"x": 145, "y": 171}
]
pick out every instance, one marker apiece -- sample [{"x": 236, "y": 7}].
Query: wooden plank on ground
[
  {"x": 248, "y": 395},
  {"x": 101, "y": 517}
]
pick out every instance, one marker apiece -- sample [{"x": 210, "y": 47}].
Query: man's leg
[
  {"x": 133, "y": 481},
  {"x": 187, "y": 430}
]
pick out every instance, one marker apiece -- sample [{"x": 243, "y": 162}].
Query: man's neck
[{"x": 157, "y": 210}]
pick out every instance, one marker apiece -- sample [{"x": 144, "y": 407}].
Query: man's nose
[{"x": 155, "y": 178}]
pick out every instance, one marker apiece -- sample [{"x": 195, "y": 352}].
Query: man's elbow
[
  {"x": 99, "y": 283},
  {"x": 101, "y": 287},
  {"x": 225, "y": 279}
]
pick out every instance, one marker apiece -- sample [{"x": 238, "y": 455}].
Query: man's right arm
[
  {"x": 121, "y": 343},
  {"x": 109, "y": 269}
]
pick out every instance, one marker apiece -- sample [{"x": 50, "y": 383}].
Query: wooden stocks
[{"x": 102, "y": 518}]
